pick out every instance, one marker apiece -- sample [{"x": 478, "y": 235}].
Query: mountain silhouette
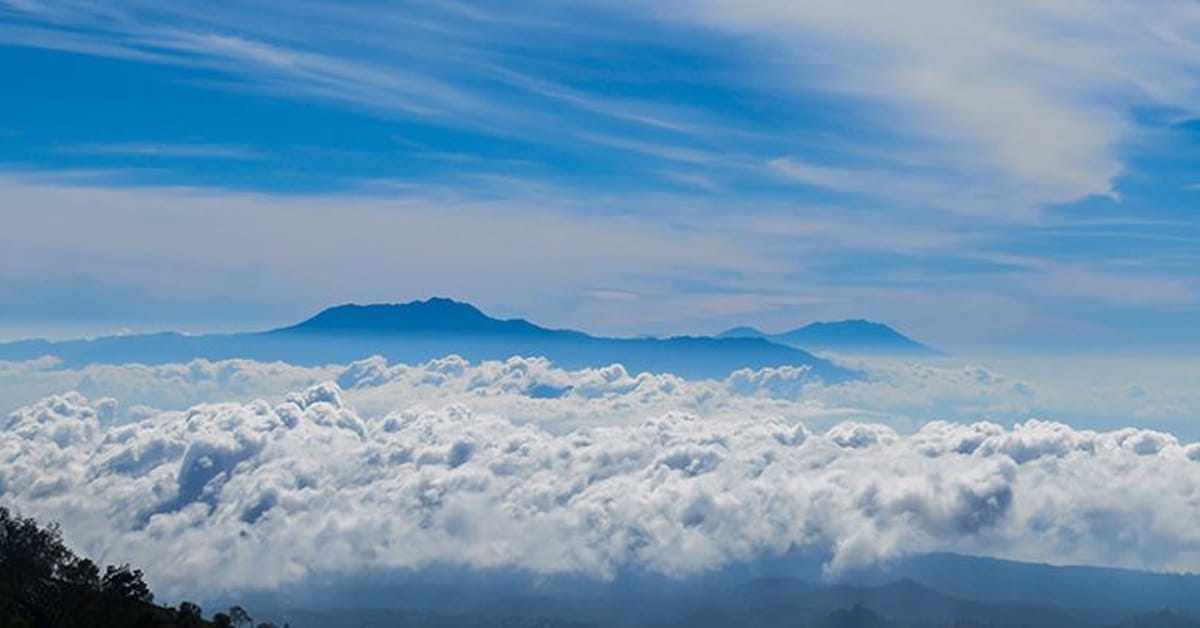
[
  {"x": 771, "y": 602},
  {"x": 436, "y": 316},
  {"x": 856, "y": 617},
  {"x": 1110, "y": 590},
  {"x": 1161, "y": 619},
  {"x": 855, "y": 336},
  {"x": 423, "y": 330}
]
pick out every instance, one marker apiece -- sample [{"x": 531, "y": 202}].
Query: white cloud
[
  {"x": 172, "y": 386},
  {"x": 762, "y": 264},
  {"x": 550, "y": 237},
  {"x": 155, "y": 149},
  {"x": 1023, "y": 103},
  {"x": 457, "y": 464},
  {"x": 1090, "y": 392},
  {"x": 999, "y": 106}
]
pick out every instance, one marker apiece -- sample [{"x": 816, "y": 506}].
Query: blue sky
[{"x": 982, "y": 175}]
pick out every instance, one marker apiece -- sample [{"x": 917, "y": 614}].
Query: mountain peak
[
  {"x": 854, "y": 335},
  {"x": 858, "y": 327},
  {"x": 743, "y": 331},
  {"x": 433, "y": 315}
]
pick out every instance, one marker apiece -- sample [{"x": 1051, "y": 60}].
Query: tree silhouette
[
  {"x": 82, "y": 573},
  {"x": 29, "y": 552},
  {"x": 240, "y": 617},
  {"x": 43, "y": 584},
  {"x": 189, "y": 612},
  {"x": 126, "y": 584}
]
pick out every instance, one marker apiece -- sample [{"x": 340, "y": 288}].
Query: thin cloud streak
[
  {"x": 156, "y": 149},
  {"x": 697, "y": 264}
]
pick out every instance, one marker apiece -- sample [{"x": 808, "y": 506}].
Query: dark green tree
[
  {"x": 188, "y": 611},
  {"x": 125, "y": 584},
  {"x": 240, "y": 617},
  {"x": 29, "y": 552},
  {"x": 83, "y": 573}
]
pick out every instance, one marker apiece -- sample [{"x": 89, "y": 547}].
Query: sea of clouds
[
  {"x": 1091, "y": 392},
  {"x": 235, "y": 475}
]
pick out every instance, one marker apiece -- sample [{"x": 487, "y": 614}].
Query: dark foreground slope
[
  {"x": 424, "y": 330},
  {"x": 43, "y": 584}
]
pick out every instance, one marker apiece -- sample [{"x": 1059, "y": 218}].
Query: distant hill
[
  {"x": 856, "y": 617},
  {"x": 778, "y": 602},
  {"x": 1161, "y": 619},
  {"x": 423, "y": 330},
  {"x": 903, "y": 601},
  {"x": 376, "y": 618},
  {"x": 1108, "y": 591},
  {"x": 856, "y": 336}
]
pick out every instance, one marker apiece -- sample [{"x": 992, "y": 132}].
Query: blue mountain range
[
  {"x": 855, "y": 337},
  {"x": 422, "y": 330},
  {"x": 783, "y": 591}
]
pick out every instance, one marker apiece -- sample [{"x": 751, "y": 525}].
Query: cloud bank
[
  {"x": 236, "y": 496},
  {"x": 1087, "y": 392}
]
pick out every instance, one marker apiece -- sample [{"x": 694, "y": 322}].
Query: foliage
[
  {"x": 125, "y": 584},
  {"x": 43, "y": 584}
]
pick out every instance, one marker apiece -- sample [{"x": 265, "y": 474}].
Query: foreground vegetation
[{"x": 43, "y": 584}]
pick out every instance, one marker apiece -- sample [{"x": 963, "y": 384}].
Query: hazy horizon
[{"x": 1123, "y": 348}]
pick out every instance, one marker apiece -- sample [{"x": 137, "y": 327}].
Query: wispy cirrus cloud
[
  {"x": 1008, "y": 105},
  {"x": 906, "y": 163},
  {"x": 434, "y": 61},
  {"x": 1035, "y": 96},
  {"x": 696, "y": 263},
  {"x": 157, "y": 149}
]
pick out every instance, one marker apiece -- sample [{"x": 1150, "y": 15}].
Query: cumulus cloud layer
[
  {"x": 244, "y": 495},
  {"x": 172, "y": 386},
  {"x": 1086, "y": 392}
]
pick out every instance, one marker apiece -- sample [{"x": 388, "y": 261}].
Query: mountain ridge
[
  {"x": 418, "y": 331},
  {"x": 435, "y": 315},
  {"x": 854, "y": 335}
]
